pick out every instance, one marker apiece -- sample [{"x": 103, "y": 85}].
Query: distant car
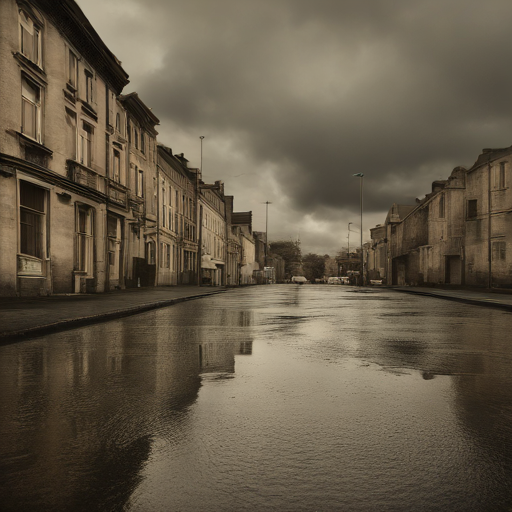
[
  {"x": 375, "y": 282},
  {"x": 345, "y": 280},
  {"x": 299, "y": 280},
  {"x": 333, "y": 280}
]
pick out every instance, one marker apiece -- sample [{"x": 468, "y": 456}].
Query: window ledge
[
  {"x": 87, "y": 109},
  {"x": 31, "y": 65},
  {"x": 28, "y": 141}
]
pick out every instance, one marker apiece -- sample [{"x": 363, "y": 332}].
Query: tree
[
  {"x": 314, "y": 266},
  {"x": 291, "y": 254},
  {"x": 331, "y": 266}
]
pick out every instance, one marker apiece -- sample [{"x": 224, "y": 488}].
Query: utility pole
[
  {"x": 360, "y": 175},
  {"x": 266, "y": 233},
  {"x": 348, "y": 242}
]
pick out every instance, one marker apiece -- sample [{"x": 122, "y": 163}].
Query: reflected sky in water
[{"x": 265, "y": 398}]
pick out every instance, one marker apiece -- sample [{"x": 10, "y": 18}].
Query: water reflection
[
  {"x": 385, "y": 403},
  {"x": 81, "y": 410}
]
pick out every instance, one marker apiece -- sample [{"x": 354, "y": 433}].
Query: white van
[{"x": 333, "y": 280}]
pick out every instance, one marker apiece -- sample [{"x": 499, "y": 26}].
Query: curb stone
[{"x": 73, "y": 323}]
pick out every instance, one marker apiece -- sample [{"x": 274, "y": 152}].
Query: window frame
[
  {"x": 27, "y": 26},
  {"x": 35, "y": 106},
  {"x": 72, "y": 73},
  {"x": 499, "y": 250},
  {"x": 89, "y": 86},
  {"x": 86, "y": 144},
  {"x": 40, "y": 215},
  {"x": 471, "y": 209},
  {"x": 84, "y": 233}
]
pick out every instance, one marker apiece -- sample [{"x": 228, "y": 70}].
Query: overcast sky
[{"x": 293, "y": 97}]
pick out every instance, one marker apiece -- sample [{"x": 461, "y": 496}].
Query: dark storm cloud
[{"x": 402, "y": 91}]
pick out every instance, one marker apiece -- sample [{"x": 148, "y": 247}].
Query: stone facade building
[
  {"x": 177, "y": 220},
  {"x": 212, "y": 233},
  {"x": 89, "y": 202},
  {"x": 459, "y": 234},
  {"x": 56, "y": 85}
]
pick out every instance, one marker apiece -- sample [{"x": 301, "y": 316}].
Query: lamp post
[
  {"x": 360, "y": 175},
  {"x": 199, "y": 220},
  {"x": 201, "y": 167},
  {"x": 348, "y": 243},
  {"x": 266, "y": 234}
]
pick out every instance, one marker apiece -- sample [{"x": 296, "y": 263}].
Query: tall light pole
[
  {"x": 199, "y": 220},
  {"x": 266, "y": 233},
  {"x": 201, "y": 168},
  {"x": 360, "y": 175},
  {"x": 348, "y": 243}
]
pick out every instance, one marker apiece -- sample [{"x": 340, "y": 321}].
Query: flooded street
[{"x": 285, "y": 398}]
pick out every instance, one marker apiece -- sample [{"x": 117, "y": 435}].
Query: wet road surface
[{"x": 284, "y": 398}]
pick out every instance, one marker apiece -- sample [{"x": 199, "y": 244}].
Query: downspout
[
  {"x": 157, "y": 249},
  {"x": 489, "y": 248}
]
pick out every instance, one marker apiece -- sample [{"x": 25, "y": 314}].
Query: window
[
  {"x": 150, "y": 253},
  {"x": 88, "y": 87},
  {"x": 30, "y": 39},
  {"x": 118, "y": 122},
  {"x": 142, "y": 142},
  {"x": 114, "y": 246},
  {"x": 472, "y": 210},
  {"x": 164, "y": 207},
  {"x": 499, "y": 251},
  {"x": 441, "y": 206},
  {"x": 72, "y": 70},
  {"x": 31, "y": 109},
  {"x": 501, "y": 176},
  {"x": 116, "y": 175},
  {"x": 165, "y": 255},
  {"x": 139, "y": 189},
  {"x": 86, "y": 143},
  {"x": 32, "y": 220},
  {"x": 84, "y": 239},
  {"x": 136, "y": 138}
]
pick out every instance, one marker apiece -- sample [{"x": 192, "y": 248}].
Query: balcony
[
  {"x": 83, "y": 175},
  {"x": 117, "y": 193}
]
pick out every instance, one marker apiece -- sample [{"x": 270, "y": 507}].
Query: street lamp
[
  {"x": 266, "y": 234},
  {"x": 201, "y": 168},
  {"x": 348, "y": 243},
  {"x": 361, "y": 175}
]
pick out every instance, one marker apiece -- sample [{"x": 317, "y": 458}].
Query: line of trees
[{"x": 312, "y": 266}]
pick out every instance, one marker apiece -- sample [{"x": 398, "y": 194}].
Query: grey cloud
[{"x": 401, "y": 90}]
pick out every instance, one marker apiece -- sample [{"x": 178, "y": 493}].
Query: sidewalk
[
  {"x": 486, "y": 298},
  {"x": 28, "y": 317}
]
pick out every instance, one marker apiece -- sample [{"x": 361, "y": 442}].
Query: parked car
[
  {"x": 333, "y": 280},
  {"x": 345, "y": 280},
  {"x": 299, "y": 280},
  {"x": 375, "y": 282}
]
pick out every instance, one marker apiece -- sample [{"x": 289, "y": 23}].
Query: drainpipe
[
  {"x": 489, "y": 248},
  {"x": 157, "y": 249}
]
